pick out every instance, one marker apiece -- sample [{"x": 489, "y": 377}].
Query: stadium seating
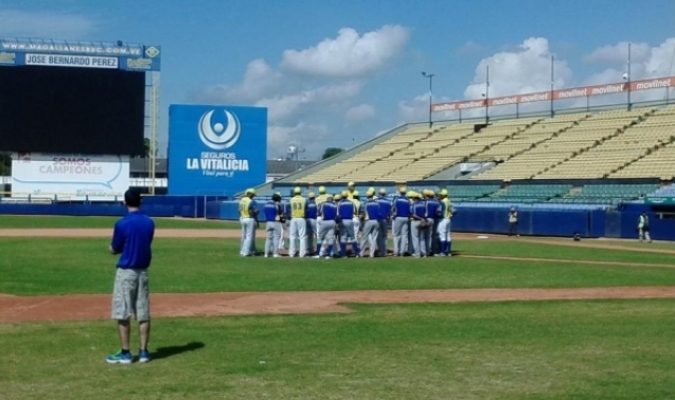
[
  {"x": 528, "y": 193},
  {"x": 607, "y": 193}
]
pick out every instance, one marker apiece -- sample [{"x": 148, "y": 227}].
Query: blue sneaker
[
  {"x": 119, "y": 358},
  {"x": 143, "y": 356}
]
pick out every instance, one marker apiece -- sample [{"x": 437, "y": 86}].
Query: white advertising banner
[
  {"x": 69, "y": 176},
  {"x": 61, "y": 60}
]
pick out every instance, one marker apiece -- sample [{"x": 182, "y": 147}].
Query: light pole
[
  {"x": 552, "y": 82},
  {"x": 431, "y": 79},
  {"x": 628, "y": 78},
  {"x": 487, "y": 93}
]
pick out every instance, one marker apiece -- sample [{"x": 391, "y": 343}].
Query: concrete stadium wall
[{"x": 589, "y": 223}]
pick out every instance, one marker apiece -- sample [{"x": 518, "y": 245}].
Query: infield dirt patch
[{"x": 88, "y": 307}]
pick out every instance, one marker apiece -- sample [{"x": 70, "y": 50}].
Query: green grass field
[
  {"x": 609, "y": 349},
  {"x": 548, "y": 350},
  {"x": 42, "y": 222},
  {"x": 77, "y": 265}
]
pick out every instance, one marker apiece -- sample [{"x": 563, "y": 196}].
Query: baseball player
[
  {"x": 643, "y": 227},
  {"x": 383, "y": 221},
  {"x": 346, "y": 213},
  {"x": 417, "y": 225},
  {"x": 248, "y": 217},
  {"x": 444, "y": 231},
  {"x": 298, "y": 223},
  {"x": 311, "y": 214},
  {"x": 320, "y": 199},
  {"x": 286, "y": 207},
  {"x": 356, "y": 199},
  {"x": 433, "y": 214},
  {"x": 337, "y": 198},
  {"x": 371, "y": 226},
  {"x": 274, "y": 215},
  {"x": 326, "y": 239},
  {"x": 351, "y": 188},
  {"x": 401, "y": 222}
]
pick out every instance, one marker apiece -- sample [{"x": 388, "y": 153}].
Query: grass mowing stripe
[
  {"x": 73, "y": 265},
  {"x": 543, "y": 350},
  {"x": 552, "y": 251},
  {"x": 55, "y": 222}
]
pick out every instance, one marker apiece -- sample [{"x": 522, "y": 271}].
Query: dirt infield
[{"x": 87, "y": 307}]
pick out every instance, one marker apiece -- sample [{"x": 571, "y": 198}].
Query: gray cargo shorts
[{"x": 131, "y": 295}]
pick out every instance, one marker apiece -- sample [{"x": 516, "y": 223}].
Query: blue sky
[{"x": 334, "y": 73}]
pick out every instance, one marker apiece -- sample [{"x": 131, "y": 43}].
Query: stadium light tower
[
  {"x": 431, "y": 79},
  {"x": 627, "y": 78}
]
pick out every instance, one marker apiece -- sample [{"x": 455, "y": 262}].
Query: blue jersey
[
  {"x": 311, "y": 210},
  {"x": 371, "y": 210},
  {"x": 346, "y": 209},
  {"x": 328, "y": 211},
  {"x": 419, "y": 208},
  {"x": 402, "y": 207},
  {"x": 273, "y": 211},
  {"x": 433, "y": 208},
  {"x": 385, "y": 208},
  {"x": 287, "y": 209},
  {"x": 132, "y": 237}
]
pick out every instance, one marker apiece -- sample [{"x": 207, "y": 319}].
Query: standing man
[
  {"x": 444, "y": 226},
  {"x": 419, "y": 225},
  {"x": 356, "y": 199},
  {"x": 513, "y": 222},
  {"x": 351, "y": 188},
  {"x": 328, "y": 212},
  {"x": 298, "y": 223},
  {"x": 132, "y": 238},
  {"x": 383, "y": 220},
  {"x": 311, "y": 215},
  {"x": 643, "y": 227},
  {"x": 433, "y": 210},
  {"x": 371, "y": 225},
  {"x": 346, "y": 213},
  {"x": 248, "y": 214},
  {"x": 322, "y": 196},
  {"x": 274, "y": 215},
  {"x": 401, "y": 222},
  {"x": 286, "y": 209}
]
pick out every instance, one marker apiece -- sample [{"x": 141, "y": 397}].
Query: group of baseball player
[{"x": 420, "y": 223}]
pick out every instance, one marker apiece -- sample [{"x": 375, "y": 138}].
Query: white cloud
[
  {"x": 349, "y": 54},
  {"x": 17, "y": 23},
  {"x": 259, "y": 79},
  {"x": 618, "y": 53},
  {"x": 310, "y": 139},
  {"x": 282, "y": 107},
  {"x": 416, "y": 109},
  {"x": 360, "y": 113},
  {"x": 524, "y": 70}
]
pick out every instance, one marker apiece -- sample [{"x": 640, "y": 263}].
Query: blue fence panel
[{"x": 560, "y": 223}]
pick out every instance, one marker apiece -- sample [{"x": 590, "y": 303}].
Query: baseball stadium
[{"x": 560, "y": 282}]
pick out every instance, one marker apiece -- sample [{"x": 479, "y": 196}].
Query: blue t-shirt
[
  {"x": 433, "y": 208},
  {"x": 346, "y": 209},
  {"x": 328, "y": 211},
  {"x": 311, "y": 210},
  {"x": 402, "y": 207},
  {"x": 385, "y": 208},
  {"x": 272, "y": 211},
  {"x": 371, "y": 209},
  {"x": 132, "y": 237},
  {"x": 419, "y": 208}
]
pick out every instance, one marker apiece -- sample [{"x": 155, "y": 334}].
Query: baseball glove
[{"x": 424, "y": 224}]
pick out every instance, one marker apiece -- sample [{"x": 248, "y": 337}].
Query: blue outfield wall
[
  {"x": 535, "y": 221},
  {"x": 155, "y": 206}
]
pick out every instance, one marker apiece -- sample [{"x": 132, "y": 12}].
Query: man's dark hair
[
  {"x": 132, "y": 198},
  {"x": 276, "y": 197}
]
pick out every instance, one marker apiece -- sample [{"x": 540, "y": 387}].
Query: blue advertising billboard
[{"x": 216, "y": 150}]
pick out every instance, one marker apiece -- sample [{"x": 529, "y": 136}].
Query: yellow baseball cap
[
  {"x": 402, "y": 189},
  {"x": 431, "y": 193},
  {"x": 350, "y": 184},
  {"x": 444, "y": 192},
  {"x": 250, "y": 191},
  {"x": 370, "y": 192},
  {"x": 383, "y": 191},
  {"x": 297, "y": 190},
  {"x": 355, "y": 193},
  {"x": 410, "y": 193},
  {"x": 337, "y": 196},
  {"x": 322, "y": 189},
  {"x": 345, "y": 193},
  {"x": 311, "y": 195}
]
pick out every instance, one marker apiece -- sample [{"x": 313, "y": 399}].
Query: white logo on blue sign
[{"x": 218, "y": 136}]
